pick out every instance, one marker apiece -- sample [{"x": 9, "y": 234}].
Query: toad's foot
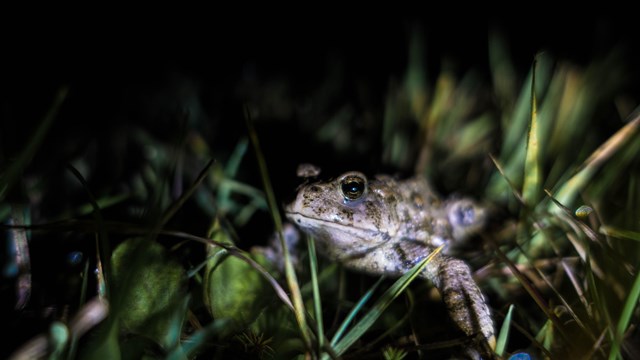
[{"x": 465, "y": 302}]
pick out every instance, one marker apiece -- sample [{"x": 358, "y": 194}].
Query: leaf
[
  {"x": 150, "y": 286},
  {"x": 106, "y": 345},
  {"x": 233, "y": 289}
]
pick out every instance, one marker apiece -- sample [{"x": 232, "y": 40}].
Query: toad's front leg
[{"x": 463, "y": 298}]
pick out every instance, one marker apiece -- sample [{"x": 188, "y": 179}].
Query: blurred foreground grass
[{"x": 152, "y": 268}]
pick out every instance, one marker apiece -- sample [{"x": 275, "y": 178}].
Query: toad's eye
[{"x": 353, "y": 186}]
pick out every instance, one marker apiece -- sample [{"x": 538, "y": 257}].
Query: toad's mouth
[
  {"x": 354, "y": 241},
  {"x": 305, "y": 221}
]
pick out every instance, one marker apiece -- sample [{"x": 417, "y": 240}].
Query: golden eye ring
[{"x": 353, "y": 186}]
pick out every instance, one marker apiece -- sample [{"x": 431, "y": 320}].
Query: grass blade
[
  {"x": 352, "y": 314},
  {"x": 504, "y": 332},
  {"x": 385, "y": 300},
  {"x": 619, "y": 233},
  {"x": 177, "y": 204},
  {"x": 199, "y": 338},
  {"x": 511, "y": 185},
  {"x": 317, "y": 303},
  {"x": 532, "y": 173},
  {"x": 570, "y": 189},
  {"x": 290, "y": 274},
  {"x": 533, "y": 292},
  {"x": 625, "y": 318}
]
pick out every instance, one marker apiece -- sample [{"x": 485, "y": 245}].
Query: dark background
[{"x": 124, "y": 73}]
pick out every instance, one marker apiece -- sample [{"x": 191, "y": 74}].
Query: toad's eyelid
[{"x": 352, "y": 174}]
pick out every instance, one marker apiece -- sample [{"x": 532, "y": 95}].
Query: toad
[{"x": 383, "y": 226}]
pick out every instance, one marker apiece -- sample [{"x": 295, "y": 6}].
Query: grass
[{"x": 553, "y": 152}]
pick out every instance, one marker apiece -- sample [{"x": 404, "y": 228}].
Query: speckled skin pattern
[{"x": 385, "y": 226}]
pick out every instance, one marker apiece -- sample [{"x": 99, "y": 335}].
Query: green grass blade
[
  {"x": 103, "y": 203},
  {"x": 515, "y": 121},
  {"x": 410, "y": 302},
  {"x": 233, "y": 164},
  {"x": 598, "y": 300},
  {"x": 103, "y": 246},
  {"x": 292, "y": 281},
  {"x": 620, "y": 233},
  {"x": 504, "y": 332},
  {"x": 352, "y": 314},
  {"x": 502, "y": 70},
  {"x": 533, "y": 292},
  {"x": 625, "y": 318},
  {"x": 177, "y": 204},
  {"x": 198, "y": 339},
  {"x": 532, "y": 172},
  {"x": 385, "y": 300},
  {"x": 508, "y": 181},
  {"x": 569, "y": 190},
  {"x": 317, "y": 301}
]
